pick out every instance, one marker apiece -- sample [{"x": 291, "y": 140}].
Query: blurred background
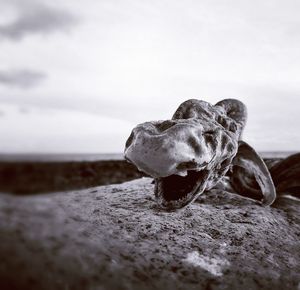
[{"x": 76, "y": 76}]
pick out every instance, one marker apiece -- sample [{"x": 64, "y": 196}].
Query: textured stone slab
[{"x": 115, "y": 237}]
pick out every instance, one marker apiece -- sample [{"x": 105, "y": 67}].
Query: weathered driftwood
[{"x": 197, "y": 148}]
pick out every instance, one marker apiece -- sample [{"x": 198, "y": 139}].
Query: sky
[{"x": 77, "y": 76}]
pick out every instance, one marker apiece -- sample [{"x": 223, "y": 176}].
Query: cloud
[
  {"x": 36, "y": 18},
  {"x": 21, "y": 78}
]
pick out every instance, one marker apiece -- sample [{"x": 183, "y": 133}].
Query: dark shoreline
[
  {"x": 61, "y": 157},
  {"x": 90, "y": 157},
  {"x": 29, "y": 177}
]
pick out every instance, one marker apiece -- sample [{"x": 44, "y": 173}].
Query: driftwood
[{"x": 199, "y": 148}]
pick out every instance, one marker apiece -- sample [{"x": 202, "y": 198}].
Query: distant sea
[{"x": 99, "y": 157}]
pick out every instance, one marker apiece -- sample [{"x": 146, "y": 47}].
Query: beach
[
  {"x": 37, "y": 173},
  {"x": 28, "y": 174}
]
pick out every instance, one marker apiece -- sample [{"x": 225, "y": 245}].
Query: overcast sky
[{"x": 128, "y": 61}]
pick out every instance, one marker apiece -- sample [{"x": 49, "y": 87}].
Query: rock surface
[{"x": 115, "y": 237}]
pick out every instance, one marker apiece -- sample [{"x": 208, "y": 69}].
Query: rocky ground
[{"x": 115, "y": 237}]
